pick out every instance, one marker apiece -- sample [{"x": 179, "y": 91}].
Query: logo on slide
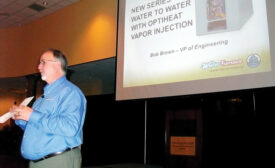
[{"x": 253, "y": 60}]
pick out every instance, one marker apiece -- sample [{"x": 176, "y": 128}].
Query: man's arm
[{"x": 68, "y": 118}]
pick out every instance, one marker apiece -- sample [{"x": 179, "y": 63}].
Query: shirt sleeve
[
  {"x": 68, "y": 118},
  {"x": 21, "y": 123}
]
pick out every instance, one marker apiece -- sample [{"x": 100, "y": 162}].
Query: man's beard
[{"x": 43, "y": 77}]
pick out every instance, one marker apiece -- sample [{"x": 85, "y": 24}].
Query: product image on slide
[{"x": 214, "y": 16}]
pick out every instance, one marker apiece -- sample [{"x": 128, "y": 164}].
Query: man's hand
[{"x": 21, "y": 112}]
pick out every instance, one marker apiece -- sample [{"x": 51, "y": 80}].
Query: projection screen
[{"x": 183, "y": 47}]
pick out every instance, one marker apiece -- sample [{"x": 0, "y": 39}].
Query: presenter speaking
[{"x": 53, "y": 126}]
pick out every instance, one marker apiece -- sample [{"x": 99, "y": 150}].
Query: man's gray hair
[{"x": 61, "y": 57}]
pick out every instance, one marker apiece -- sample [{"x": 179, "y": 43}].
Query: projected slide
[{"x": 171, "y": 41}]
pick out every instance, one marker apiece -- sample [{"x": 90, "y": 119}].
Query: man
[{"x": 53, "y": 126}]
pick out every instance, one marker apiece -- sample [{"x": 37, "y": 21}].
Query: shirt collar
[{"x": 52, "y": 86}]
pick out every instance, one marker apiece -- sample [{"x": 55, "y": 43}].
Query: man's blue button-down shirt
[{"x": 56, "y": 121}]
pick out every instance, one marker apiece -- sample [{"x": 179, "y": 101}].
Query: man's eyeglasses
[{"x": 43, "y": 61}]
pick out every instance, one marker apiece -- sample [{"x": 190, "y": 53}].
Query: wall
[{"x": 84, "y": 31}]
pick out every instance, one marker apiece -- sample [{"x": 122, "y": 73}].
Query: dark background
[{"x": 114, "y": 130}]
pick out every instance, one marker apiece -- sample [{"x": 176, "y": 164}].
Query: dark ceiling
[{"x": 20, "y": 12}]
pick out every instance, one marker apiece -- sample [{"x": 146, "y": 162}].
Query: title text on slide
[
  {"x": 154, "y": 17},
  {"x": 149, "y": 5}
]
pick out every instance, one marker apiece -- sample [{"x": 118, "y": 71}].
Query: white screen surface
[{"x": 182, "y": 47}]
